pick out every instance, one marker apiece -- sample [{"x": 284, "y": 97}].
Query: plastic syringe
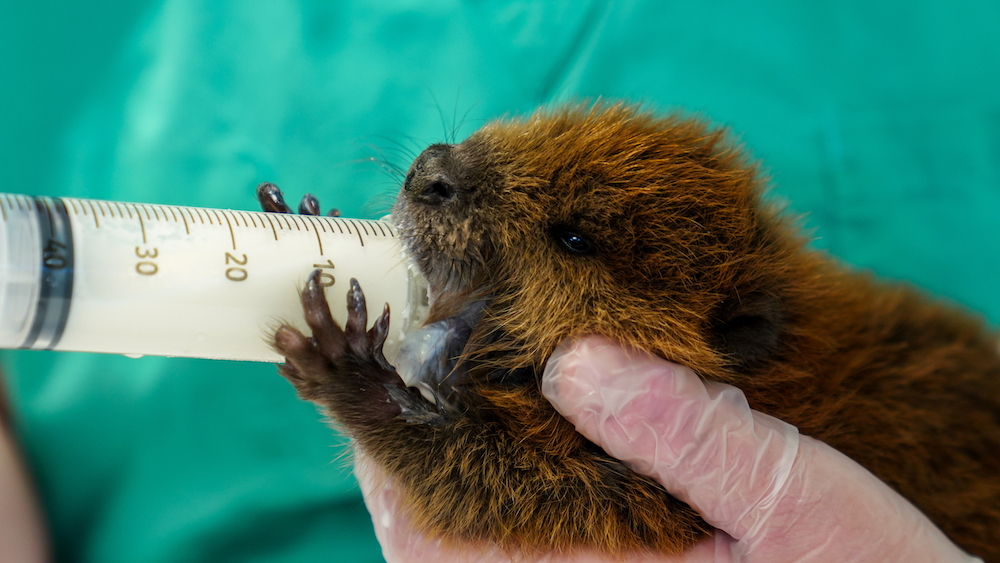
[{"x": 137, "y": 279}]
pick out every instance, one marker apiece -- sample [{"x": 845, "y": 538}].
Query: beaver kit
[{"x": 610, "y": 220}]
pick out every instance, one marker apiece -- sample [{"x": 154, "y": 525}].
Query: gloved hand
[{"x": 772, "y": 494}]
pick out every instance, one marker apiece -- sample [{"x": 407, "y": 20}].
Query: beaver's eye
[{"x": 572, "y": 241}]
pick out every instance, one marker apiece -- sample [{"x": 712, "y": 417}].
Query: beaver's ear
[{"x": 747, "y": 328}]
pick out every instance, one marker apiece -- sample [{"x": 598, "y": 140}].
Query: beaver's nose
[
  {"x": 429, "y": 180},
  {"x": 436, "y": 190}
]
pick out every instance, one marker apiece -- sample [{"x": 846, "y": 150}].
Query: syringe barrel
[{"x": 141, "y": 279}]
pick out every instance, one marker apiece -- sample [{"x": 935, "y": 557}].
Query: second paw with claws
[{"x": 344, "y": 369}]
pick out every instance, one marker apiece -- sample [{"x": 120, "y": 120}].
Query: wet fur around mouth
[{"x": 654, "y": 231}]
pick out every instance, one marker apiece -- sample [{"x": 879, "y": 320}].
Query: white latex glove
[{"x": 772, "y": 494}]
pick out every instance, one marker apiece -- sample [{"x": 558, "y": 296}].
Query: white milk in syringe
[{"x": 136, "y": 279}]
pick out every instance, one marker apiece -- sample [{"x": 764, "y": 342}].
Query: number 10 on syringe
[{"x": 130, "y": 278}]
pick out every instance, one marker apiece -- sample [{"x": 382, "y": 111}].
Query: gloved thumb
[{"x": 701, "y": 441}]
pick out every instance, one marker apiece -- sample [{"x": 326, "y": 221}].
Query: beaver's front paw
[
  {"x": 272, "y": 201},
  {"x": 343, "y": 369}
]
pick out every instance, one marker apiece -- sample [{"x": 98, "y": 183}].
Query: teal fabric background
[{"x": 880, "y": 122}]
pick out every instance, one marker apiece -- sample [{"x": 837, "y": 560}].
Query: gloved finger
[
  {"x": 779, "y": 496},
  {"x": 401, "y": 542},
  {"x": 701, "y": 442}
]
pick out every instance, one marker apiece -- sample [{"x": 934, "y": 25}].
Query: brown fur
[{"x": 688, "y": 262}]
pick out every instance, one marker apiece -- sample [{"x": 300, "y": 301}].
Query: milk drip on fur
[{"x": 140, "y": 279}]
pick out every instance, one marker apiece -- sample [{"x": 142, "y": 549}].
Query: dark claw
[
  {"x": 272, "y": 201},
  {"x": 270, "y": 198},
  {"x": 357, "y": 320},
  {"x": 329, "y": 337},
  {"x": 377, "y": 336},
  {"x": 309, "y": 205}
]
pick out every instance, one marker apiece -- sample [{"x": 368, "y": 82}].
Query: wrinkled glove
[{"x": 772, "y": 494}]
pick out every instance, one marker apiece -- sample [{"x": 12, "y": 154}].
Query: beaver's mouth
[{"x": 429, "y": 357}]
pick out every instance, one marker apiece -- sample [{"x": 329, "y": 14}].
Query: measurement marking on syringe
[
  {"x": 339, "y": 227},
  {"x": 200, "y": 218},
  {"x": 231, "y": 233},
  {"x": 254, "y": 219},
  {"x": 268, "y": 217},
  {"x": 357, "y": 231},
  {"x": 319, "y": 241},
  {"x": 141, "y": 226},
  {"x": 216, "y": 216},
  {"x": 97, "y": 225}
]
